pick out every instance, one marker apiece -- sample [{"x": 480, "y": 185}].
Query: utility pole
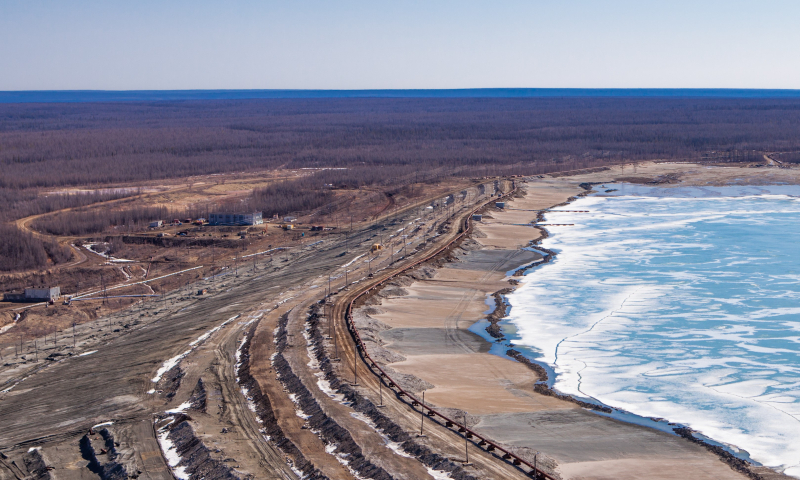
[
  {"x": 422, "y": 415},
  {"x": 73, "y": 335},
  {"x": 103, "y": 285},
  {"x": 466, "y": 441},
  {"x": 335, "y": 344},
  {"x": 330, "y": 321},
  {"x": 355, "y": 366}
]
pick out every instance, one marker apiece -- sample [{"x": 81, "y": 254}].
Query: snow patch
[
  {"x": 181, "y": 408},
  {"x": 438, "y": 474},
  {"x": 352, "y": 261},
  {"x": 166, "y": 366},
  {"x": 171, "y": 454}
]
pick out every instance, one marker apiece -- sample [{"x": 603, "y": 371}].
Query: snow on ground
[
  {"x": 169, "y": 364},
  {"x": 171, "y": 453}
]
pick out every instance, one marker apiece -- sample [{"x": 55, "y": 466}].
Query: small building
[
  {"x": 500, "y": 204},
  {"x": 477, "y": 217},
  {"x": 35, "y": 295},
  {"x": 157, "y": 224},
  {"x": 254, "y": 218}
]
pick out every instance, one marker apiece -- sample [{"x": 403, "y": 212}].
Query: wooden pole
[
  {"x": 466, "y": 441},
  {"x": 355, "y": 366},
  {"x": 422, "y": 416}
]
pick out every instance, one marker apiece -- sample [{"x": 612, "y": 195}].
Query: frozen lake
[{"x": 677, "y": 303}]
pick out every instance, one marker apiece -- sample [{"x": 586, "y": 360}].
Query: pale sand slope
[
  {"x": 429, "y": 329},
  {"x": 503, "y": 230}
]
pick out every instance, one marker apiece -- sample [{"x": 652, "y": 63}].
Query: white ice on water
[{"x": 680, "y": 308}]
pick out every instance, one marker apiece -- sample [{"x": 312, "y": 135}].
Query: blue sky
[{"x": 201, "y": 44}]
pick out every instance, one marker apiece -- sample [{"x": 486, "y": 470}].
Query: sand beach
[{"x": 423, "y": 326}]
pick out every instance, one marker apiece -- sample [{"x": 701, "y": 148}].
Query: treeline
[
  {"x": 315, "y": 192},
  {"x": 48, "y": 145},
  {"x": 354, "y": 143},
  {"x": 290, "y": 196},
  {"x": 20, "y": 203},
  {"x": 96, "y": 220},
  {"x": 22, "y": 251},
  {"x": 788, "y": 157}
]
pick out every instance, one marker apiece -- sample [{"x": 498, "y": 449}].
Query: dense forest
[
  {"x": 49, "y": 145},
  {"x": 92, "y": 221},
  {"x": 20, "y": 250},
  {"x": 355, "y": 141}
]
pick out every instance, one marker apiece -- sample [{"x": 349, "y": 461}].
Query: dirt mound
[
  {"x": 170, "y": 382},
  {"x": 365, "y": 406},
  {"x": 326, "y": 427},
  {"x": 197, "y": 401},
  {"x": 111, "y": 469},
  {"x": 195, "y": 456},
  {"x": 265, "y": 413},
  {"x": 422, "y": 273}
]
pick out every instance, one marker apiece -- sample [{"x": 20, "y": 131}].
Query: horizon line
[{"x": 99, "y": 95}]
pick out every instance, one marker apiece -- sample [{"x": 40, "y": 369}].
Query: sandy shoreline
[{"x": 423, "y": 328}]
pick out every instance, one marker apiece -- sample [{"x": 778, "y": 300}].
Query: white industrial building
[
  {"x": 254, "y": 218},
  {"x": 34, "y": 295}
]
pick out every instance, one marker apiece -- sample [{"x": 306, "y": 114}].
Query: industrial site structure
[
  {"x": 254, "y": 218},
  {"x": 34, "y": 295}
]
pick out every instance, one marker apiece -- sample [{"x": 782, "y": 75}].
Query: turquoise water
[{"x": 681, "y": 304}]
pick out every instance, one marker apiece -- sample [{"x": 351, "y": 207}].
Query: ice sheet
[{"x": 677, "y": 307}]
